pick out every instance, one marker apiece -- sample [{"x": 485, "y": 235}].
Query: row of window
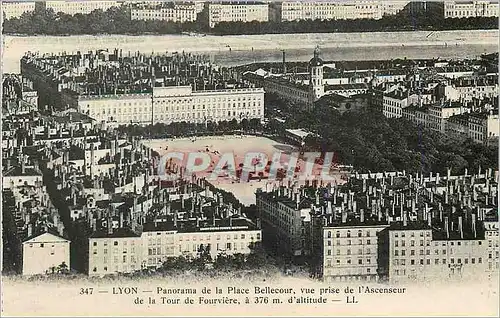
[
  {"x": 116, "y": 250},
  {"x": 348, "y": 252},
  {"x": 349, "y": 242},
  {"x": 115, "y": 243},
  {"x": 242, "y": 236},
  {"x": 402, "y": 262},
  {"x": 360, "y": 261},
  {"x": 347, "y": 233}
]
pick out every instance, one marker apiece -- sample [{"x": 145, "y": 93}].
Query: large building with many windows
[
  {"x": 78, "y": 6},
  {"x": 15, "y": 9},
  {"x": 170, "y": 11},
  {"x": 114, "y": 251},
  {"x": 334, "y": 10},
  {"x": 162, "y": 240},
  {"x": 418, "y": 252},
  {"x": 175, "y": 104},
  {"x": 237, "y": 11},
  {"x": 147, "y": 89},
  {"x": 350, "y": 251},
  {"x": 467, "y": 9}
]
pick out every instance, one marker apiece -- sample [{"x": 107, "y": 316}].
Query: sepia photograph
[{"x": 264, "y": 158}]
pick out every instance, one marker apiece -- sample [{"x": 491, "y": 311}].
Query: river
[{"x": 238, "y": 49}]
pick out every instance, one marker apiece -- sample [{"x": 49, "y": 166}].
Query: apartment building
[
  {"x": 114, "y": 251},
  {"x": 434, "y": 116},
  {"x": 175, "y": 103},
  {"x": 394, "y": 102},
  {"x": 415, "y": 251},
  {"x": 43, "y": 253},
  {"x": 78, "y": 6},
  {"x": 165, "y": 89},
  {"x": 285, "y": 217},
  {"x": 335, "y": 10},
  {"x": 350, "y": 251},
  {"x": 15, "y": 9},
  {"x": 236, "y": 12},
  {"x": 161, "y": 240},
  {"x": 170, "y": 11},
  {"x": 491, "y": 235},
  {"x": 467, "y": 9},
  {"x": 470, "y": 88}
]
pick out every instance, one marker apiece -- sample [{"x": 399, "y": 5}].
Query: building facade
[
  {"x": 173, "y": 12},
  {"x": 237, "y": 12},
  {"x": 15, "y": 9},
  {"x": 468, "y": 9},
  {"x": 114, "y": 252},
  {"x": 175, "y": 104},
  {"x": 350, "y": 252},
  {"x": 43, "y": 253},
  {"x": 417, "y": 252},
  {"x": 161, "y": 241},
  {"x": 336, "y": 10},
  {"x": 285, "y": 219},
  {"x": 82, "y": 7}
]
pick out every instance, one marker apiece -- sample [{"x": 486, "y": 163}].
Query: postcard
[{"x": 250, "y": 158}]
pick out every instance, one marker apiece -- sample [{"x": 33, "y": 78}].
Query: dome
[{"x": 316, "y": 61}]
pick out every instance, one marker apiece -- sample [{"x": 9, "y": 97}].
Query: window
[
  {"x": 115, "y": 243},
  {"x": 95, "y": 244},
  {"x": 41, "y": 245}
]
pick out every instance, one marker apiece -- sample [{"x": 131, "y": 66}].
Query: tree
[{"x": 63, "y": 268}]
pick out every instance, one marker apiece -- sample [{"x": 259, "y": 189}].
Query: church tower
[{"x": 316, "y": 88}]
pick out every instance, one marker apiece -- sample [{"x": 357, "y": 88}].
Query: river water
[{"x": 237, "y": 50}]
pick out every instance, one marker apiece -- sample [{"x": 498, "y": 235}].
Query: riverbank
[{"x": 237, "y": 50}]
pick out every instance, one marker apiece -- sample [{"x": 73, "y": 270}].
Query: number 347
[{"x": 86, "y": 291}]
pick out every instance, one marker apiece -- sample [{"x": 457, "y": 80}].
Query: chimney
[
  {"x": 429, "y": 219},
  {"x": 175, "y": 219},
  {"x": 344, "y": 216},
  {"x": 110, "y": 226},
  {"x": 405, "y": 219},
  {"x": 446, "y": 227},
  {"x": 362, "y": 216},
  {"x": 474, "y": 224},
  {"x": 460, "y": 228},
  {"x": 23, "y": 164}
]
